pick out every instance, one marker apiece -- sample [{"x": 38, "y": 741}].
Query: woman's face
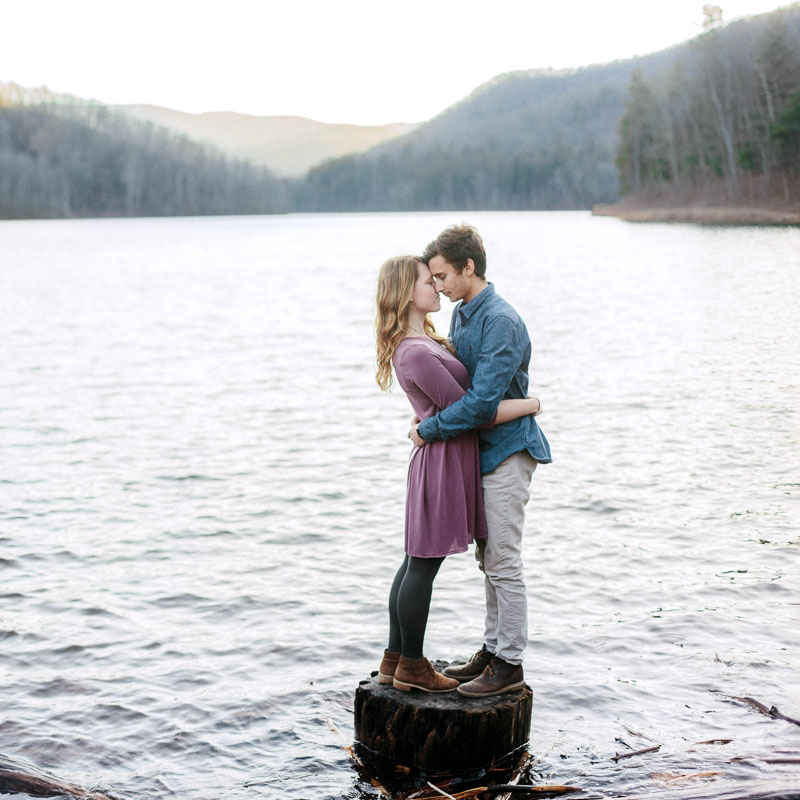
[{"x": 425, "y": 297}]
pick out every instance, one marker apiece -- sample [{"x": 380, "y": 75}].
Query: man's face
[{"x": 449, "y": 281}]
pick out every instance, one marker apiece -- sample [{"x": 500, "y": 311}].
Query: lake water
[{"x": 202, "y": 488}]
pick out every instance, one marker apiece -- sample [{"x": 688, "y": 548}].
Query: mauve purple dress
[{"x": 444, "y": 504}]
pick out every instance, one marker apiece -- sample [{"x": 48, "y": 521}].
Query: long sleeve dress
[{"x": 444, "y": 504}]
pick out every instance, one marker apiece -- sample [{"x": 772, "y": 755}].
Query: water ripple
[{"x": 202, "y": 495}]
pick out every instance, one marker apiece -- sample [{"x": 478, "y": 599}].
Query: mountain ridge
[
  {"x": 288, "y": 145},
  {"x": 524, "y": 139}
]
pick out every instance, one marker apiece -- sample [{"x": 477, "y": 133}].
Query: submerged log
[
  {"x": 439, "y": 732},
  {"x": 18, "y": 776}
]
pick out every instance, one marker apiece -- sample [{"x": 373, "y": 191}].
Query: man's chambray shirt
[{"x": 492, "y": 342}]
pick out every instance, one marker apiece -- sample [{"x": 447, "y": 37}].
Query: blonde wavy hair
[{"x": 395, "y": 289}]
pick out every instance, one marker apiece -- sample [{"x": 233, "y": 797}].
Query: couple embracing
[{"x": 477, "y": 445}]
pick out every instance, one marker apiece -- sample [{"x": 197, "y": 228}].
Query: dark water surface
[{"x": 201, "y": 500}]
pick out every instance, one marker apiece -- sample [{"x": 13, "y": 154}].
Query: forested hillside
[
  {"x": 538, "y": 139},
  {"x": 714, "y": 120},
  {"x": 724, "y": 126},
  {"x": 61, "y": 157}
]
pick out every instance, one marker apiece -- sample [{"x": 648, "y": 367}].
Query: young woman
[{"x": 444, "y": 505}]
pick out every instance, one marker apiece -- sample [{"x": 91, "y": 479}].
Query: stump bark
[{"x": 440, "y": 732}]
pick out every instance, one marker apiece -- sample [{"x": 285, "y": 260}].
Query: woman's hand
[{"x": 413, "y": 434}]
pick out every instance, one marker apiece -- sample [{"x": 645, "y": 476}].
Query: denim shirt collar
[{"x": 466, "y": 310}]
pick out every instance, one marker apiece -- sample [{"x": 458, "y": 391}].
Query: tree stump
[{"x": 440, "y": 732}]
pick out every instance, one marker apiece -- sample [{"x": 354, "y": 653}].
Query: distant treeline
[
  {"x": 720, "y": 114},
  {"x": 725, "y": 121},
  {"x": 538, "y": 140},
  {"x": 82, "y": 160}
]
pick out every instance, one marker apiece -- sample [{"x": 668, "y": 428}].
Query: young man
[{"x": 492, "y": 341}]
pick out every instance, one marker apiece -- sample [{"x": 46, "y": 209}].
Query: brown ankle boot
[
  {"x": 418, "y": 673},
  {"x": 472, "y": 669},
  {"x": 388, "y": 666},
  {"x": 498, "y": 677}
]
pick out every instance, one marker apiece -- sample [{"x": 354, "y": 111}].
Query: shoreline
[{"x": 704, "y": 215}]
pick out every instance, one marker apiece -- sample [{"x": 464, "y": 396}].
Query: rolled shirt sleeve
[{"x": 502, "y": 346}]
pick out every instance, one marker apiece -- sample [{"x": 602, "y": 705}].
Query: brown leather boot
[
  {"x": 418, "y": 673},
  {"x": 388, "y": 666},
  {"x": 498, "y": 677},
  {"x": 473, "y": 667}
]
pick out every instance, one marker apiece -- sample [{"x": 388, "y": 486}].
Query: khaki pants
[{"x": 505, "y": 493}]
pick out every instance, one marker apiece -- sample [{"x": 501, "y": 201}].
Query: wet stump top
[{"x": 440, "y": 732}]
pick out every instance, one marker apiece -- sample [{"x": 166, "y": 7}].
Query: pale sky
[{"x": 359, "y": 61}]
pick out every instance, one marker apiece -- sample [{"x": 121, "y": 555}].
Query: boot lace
[{"x": 476, "y": 656}]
